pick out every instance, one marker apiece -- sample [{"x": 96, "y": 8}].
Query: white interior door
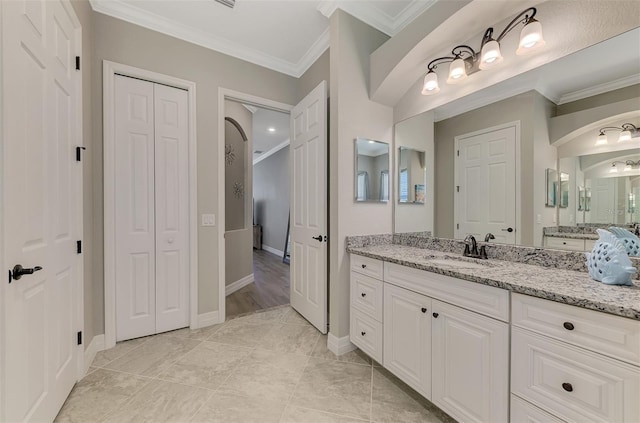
[
  {"x": 41, "y": 207},
  {"x": 152, "y": 201},
  {"x": 486, "y": 185},
  {"x": 309, "y": 207},
  {"x": 603, "y": 200}
]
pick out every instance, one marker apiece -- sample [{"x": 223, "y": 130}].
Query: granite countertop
[
  {"x": 571, "y": 235},
  {"x": 564, "y": 286}
]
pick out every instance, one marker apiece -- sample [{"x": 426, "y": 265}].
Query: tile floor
[{"x": 266, "y": 367}]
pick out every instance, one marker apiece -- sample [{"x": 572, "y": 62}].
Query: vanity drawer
[
  {"x": 523, "y": 412},
  {"x": 483, "y": 299},
  {"x": 615, "y": 336},
  {"x": 573, "y": 384},
  {"x": 565, "y": 243},
  {"x": 366, "y": 266},
  {"x": 366, "y": 334},
  {"x": 367, "y": 295}
]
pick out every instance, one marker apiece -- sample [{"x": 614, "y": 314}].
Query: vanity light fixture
[
  {"x": 629, "y": 165},
  {"x": 627, "y": 130},
  {"x": 465, "y": 60}
]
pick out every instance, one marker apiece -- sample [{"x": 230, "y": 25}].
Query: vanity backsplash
[{"x": 567, "y": 260}]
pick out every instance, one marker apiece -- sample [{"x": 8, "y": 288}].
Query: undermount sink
[{"x": 458, "y": 262}]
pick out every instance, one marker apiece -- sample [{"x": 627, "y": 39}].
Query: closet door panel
[
  {"x": 172, "y": 208},
  {"x": 135, "y": 220}
]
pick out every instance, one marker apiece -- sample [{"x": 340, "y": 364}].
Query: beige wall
[
  {"x": 316, "y": 73},
  {"x": 353, "y": 115},
  {"x": 122, "y": 42},
  {"x": 631, "y": 92},
  {"x": 533, "y": 111}
]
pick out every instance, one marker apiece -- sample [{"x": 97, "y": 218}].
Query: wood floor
[{"x": 270, "y": 289}]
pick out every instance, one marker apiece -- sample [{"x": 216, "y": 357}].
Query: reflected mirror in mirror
[
  {"x": 412, "y": 176},
  {"x": 372, "y": 171},
  {"x": 552, "y": 188},
  {"x": 558, "y": 109},
  {"x": 564, "y": 190}
]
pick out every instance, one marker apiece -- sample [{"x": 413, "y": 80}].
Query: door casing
[{"x": 110, "y": 69}]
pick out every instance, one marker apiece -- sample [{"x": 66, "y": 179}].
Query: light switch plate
[{"x": 208, "y": 220}]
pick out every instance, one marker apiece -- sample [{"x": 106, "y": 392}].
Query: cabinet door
[
  {"x": 470, "y": 364},
  {"x": 407, "y": 337}
]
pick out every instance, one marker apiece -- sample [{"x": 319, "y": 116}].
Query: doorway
[
  {"x": 149, "y": 203},
  {"x": 256, "y": 206}
]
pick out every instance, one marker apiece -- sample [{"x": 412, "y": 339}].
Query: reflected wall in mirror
[
  {"x": 558, "y": 109},
  {"x": 412, "y": 176},
  {"x": 552, "y": 187},
  {"x": 372, "y": 179}
]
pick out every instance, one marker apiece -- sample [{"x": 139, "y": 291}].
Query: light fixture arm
[
  {"x": 457, "y": 52},
  {"x": 440, "y": 60},
  {"x": 518, "y": 19},
  {"x": 629, "y": 127},
  {"x": 608, "y": 128}
]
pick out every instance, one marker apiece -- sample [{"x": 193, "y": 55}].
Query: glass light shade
[
  {"x": 530, "y": 38},
  {"x": 490, "y": 55},
  {"x": 430, "y": 86},
  {"x": 628, "y": 168},
  {"x": 457, "y": 71},
  {"x": 624, "y": 136},
  {"x": 602, "y": 139},
  {"x": 613, "y": 169}
]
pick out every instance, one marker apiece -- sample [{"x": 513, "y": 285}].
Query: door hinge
[
  {"x": 457, "y": 226},
  {"x": 79, "y": 153},
  {"x": 458, "y": 188},
  {"x": 458, "y": 153},
  {"x": 79, "y": 247},
  {"x": 77, "y": 62},
  {"x": 80, "y": 338}
]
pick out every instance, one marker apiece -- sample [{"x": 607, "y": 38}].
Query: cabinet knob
[
  {"x": 567, "y": 387},
  {"x": 564, "y": 242},
  {"x": 435, "y": 315},
  {"x": 363, "y": 295},
  {"x": 424, "y": 310},
  {"x": 363, "y": 333},
  {"x": 364, "y": 266},
  {"x": 568, "y": 325}
]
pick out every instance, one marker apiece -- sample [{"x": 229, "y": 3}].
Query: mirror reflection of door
[{"x": 485, "y": 197}]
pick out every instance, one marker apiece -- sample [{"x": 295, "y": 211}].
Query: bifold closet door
[{"x": 151, "y": 152}]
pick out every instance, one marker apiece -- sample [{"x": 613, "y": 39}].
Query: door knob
[
  {"x": 18, "y": 271},
  {"x": 507, "y": 230},
  {"x": 317, "y": 238}
]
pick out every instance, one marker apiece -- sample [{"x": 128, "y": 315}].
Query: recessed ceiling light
[{"x": 271, "y": 129}]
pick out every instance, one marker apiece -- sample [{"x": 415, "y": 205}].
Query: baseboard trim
[
  {"x": 208, "y": 319},
  {"x": 272, "y": 250},
  {"x": 239, "y": 284},
  {"x": 339, "y": 346},
  {"x": 95, "y": 346}
]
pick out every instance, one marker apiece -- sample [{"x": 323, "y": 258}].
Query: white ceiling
[{"x": 287, "y": 36}]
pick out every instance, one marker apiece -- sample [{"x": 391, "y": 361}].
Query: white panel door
[
  {"x": 407, "y": 337},
  {"x": 486, "y": 185},
  {"x": 603, "y": 200},
  {"x": 309, "y": 207},
  {"x": 172, "y": 208},
  {"x": 41, "y": 207},
  {"x": 470, "y": 365},
  {"x": 135, "y": 214}
]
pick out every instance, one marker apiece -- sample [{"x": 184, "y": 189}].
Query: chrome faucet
[
  {"x": 483, "y": 248},
  {"x": 470, "y": 241},
  {"x": 488, "y": 237}
]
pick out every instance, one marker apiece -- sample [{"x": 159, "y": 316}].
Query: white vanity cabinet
[
  {"x": 576, "y": 364},
  {"x": 571, "y": 244},
  {"x": 366, "y": 291}
]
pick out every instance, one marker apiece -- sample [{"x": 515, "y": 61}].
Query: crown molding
[
  {"x": 271, "y": 152},
  {"x": 599, "y": 89},
  {"x": 132, "y": 14},
  {"x": 252, "y": 109},
  {"x": 327, "y": 7}
]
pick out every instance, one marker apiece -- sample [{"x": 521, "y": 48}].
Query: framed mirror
[
  {"x": 412, "y": 176},
  {"x": 371, "y": 179},
  {"x": 564, "y": 190},
  {"x": 552, "y": 188}
]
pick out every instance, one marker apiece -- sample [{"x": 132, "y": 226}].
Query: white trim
[
  {"x": 271, "y": 152},
  {"x": 208, "y": 319},
  {"x": 128, "y": 12},
  {"x": 272, "y": 250},
  {"x": 110, "y": 69},
  {"x": 224, "y": 93},
  {"x": 518, "y": 223},
  {"x": 239, "y": 284},
  {"x": 339, "y": 346},
  {"x": 95, "y": 346},
  {"x": 599, "y": 89}
]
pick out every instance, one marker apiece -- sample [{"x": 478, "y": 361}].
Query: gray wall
[
  {"x": 626, "y": 93},
  {"x": 133, "y": 45},
  {"x": 316, "y": 73},
  {"x": 271, "y": 196}
]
